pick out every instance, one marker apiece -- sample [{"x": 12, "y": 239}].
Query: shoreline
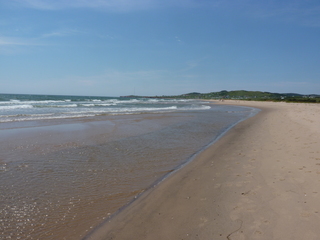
[
  {"x": 169, "y": 173},
  {"x": 259, "y": 181},
  {"x": 95, "y": 167}
]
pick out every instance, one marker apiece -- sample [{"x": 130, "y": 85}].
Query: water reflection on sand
[{"x": 62, "y": 178}]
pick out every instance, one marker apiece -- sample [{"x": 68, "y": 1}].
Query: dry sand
[{"x": 260, "y": 181}]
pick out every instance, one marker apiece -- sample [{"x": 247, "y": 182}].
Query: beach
[
  {"x": 68, "y": 163},
  {"x": 261, "y": 180}
]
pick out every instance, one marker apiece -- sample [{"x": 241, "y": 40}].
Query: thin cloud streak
[
  {"x": 18, "y": 42},
  {"x": 113, "y": 5},
  {"x": 303, "y": 12},
  {"x": 62, "y": 33}
]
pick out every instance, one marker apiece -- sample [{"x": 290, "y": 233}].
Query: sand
[{"x": 259, "y": 181}]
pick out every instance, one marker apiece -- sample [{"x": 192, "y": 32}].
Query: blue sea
[
  {"x": 67, "y": 163},
  {"x": 18, "y": 107}
]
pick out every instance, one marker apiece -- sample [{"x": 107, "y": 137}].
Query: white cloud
[
  {"x": 15, "y": 45},
  {"x": 298, "y": 11},
  {"x": 113, "y": 5},
  {"x": 62, "y": 33},
  {"x": 18, "y": 41},
  {"x": 96, "y": 4},
  {"x": 178, "y": 39},
  {"x": 53, "y": 34},
  {"x": 37, "y": 4}
]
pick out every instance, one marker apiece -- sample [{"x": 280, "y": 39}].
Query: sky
[{"x": 159, "y": 47}]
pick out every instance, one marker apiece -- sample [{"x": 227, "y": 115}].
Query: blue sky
[{"x": 159, "y": 47}]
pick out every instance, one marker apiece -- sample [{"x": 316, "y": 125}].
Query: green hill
[{"x": 250, "y": 95}]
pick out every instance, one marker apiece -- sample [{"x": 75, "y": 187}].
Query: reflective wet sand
[{"x": 59, "y": 179}]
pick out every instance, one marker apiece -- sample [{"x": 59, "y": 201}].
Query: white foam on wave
[
  {"x": 56, "y": 106},
  {"x": 114, "y": 102},
  {"x": 97, "y": 111},
  {"x": 59, "y": 109},
  {"x": 105, "y": 104},
  {"x": 46, "y": 117},
  {"x": 13, "y": 101},
  {"x": 196, "y": 107},
  {"x": 15, "y": 107},
  {"x": 163, "y": 100},
  {"x": 152, "y": 100},
  {"x": 66, "y": 106},
  {"x": 88, "y": 105},
  {"x": 143, "y": 109},
  {"x": 119, "y": 110},
  {"x": 183, "y": 100},
  {"x": 96, "y": 104},
  {"x": 128, "y": 101}
]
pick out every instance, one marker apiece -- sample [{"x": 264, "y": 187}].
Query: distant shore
[{"x": 259, "y": 181}]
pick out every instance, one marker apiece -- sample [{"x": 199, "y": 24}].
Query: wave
[
  {"x": 105, "y": 104},
  {"x": 44, "y": 109},
  {"x": 65, "y": 106},
  {"x": 111, "y": 101},
  {"x": 122, "y": 110},
  {"x": 15, "y": 107},
  {"x": 88, "y": 105},
  {"x": 33, "y": 118},
  {"x": 81, "y": 114},
  {"x": 13, "y": 101},
  {"x": 196, "y": 107},
  {"x": 144, "y": 109},
  {"x": 97, "y": 104},
  {"x": 56, "y": 106}
]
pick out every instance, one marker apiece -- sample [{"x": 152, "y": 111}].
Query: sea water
[
  {"x": 14, "y": 108},
  {"x": 67, "y": 163}
]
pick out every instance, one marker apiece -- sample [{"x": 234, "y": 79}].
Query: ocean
[
  {"x": 19, "y": 107},
  {"x": 67, "y": 163}
]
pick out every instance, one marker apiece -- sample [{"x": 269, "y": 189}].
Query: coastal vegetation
[{"x": 246, "y": 95}]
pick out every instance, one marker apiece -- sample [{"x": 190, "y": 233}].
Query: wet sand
[
  {"x": 61, "y": 178},
  {"x": 259, "y": 181}
]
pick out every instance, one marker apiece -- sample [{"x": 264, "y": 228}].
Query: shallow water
[{"x": 62, "y": 178}]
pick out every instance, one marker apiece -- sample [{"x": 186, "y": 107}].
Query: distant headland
[{"x": 242, "y": 95}]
